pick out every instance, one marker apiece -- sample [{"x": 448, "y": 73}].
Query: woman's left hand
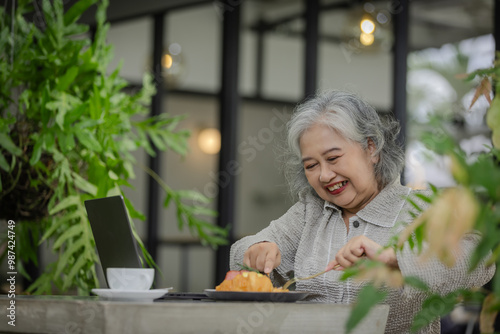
[{"x": 361, "y": 246}]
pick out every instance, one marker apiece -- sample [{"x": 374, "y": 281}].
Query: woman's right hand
[{"x": 264, "y": 256}]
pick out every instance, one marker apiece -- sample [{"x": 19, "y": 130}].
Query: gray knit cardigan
[{"x": 311, "y": 232}]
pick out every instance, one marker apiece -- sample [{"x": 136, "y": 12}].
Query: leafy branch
[
  {"x": 436, "y": 231},
  {"x": 68, "y": 131},
  {"x": 210, "y": 234}
]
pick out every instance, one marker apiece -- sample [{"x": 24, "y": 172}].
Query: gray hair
[{"x": 352, "y": 118}]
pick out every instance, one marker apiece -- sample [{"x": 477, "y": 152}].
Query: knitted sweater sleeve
[{"x": 284, "y": 231}]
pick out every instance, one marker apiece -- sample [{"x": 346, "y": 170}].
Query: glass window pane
[
  {"x": 446, "y": 41},
  {"x": 352, "y": 60},
  {"x": 135, "y": 55}
]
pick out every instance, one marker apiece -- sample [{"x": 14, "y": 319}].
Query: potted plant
[{"x": 67, "y": 131}]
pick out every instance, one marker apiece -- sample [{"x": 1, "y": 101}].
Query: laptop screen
[{"x": 112, "y": 232}]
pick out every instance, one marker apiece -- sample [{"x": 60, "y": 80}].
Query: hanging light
[
  {"x": 209, "y": 140},
  {"x": 173, "y": 66},
  {"x": 166, "y": 61},
  {"x": 366, "y": 39},
  {"x": 367, "y": 29},
  {"x": 172, "y": 63},
  {"x": 367, "y": 25}
]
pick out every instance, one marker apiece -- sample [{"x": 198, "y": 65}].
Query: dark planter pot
[{"x": 25, "y": 193}]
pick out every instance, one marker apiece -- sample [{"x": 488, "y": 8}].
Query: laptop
[
  {"x": 112, "y": 232},
  {"x": 115, "y": 243}
]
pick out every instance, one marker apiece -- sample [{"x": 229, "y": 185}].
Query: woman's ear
[{"x": 372, "y": 148}]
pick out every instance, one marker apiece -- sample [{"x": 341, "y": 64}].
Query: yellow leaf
[
  {"x": 493, "y": 115},
  {"x": 488, "y": 316},
  {"x": 457, "y": 170},
  {"x": 382, "y": 276},
  {"x": 496, "y": 138},
  {"x": 484, "y": 88},
  {"x": 462, "y": 76},
  {"x": 451, "y": 215},
  {"x": 446, "y": 221}
]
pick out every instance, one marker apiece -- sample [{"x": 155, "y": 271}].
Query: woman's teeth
[{"x": 337, "y": 186}]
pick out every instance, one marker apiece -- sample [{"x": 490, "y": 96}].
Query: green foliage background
[
  {"x": 479, "y": 174},
  {"x": 67, "y": 131}
]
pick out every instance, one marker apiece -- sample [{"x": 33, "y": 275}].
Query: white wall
[{"x": 368, "y": 74}]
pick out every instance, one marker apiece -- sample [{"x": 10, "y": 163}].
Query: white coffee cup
[{"x": 130, "y": 278}]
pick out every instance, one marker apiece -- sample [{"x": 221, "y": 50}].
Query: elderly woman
[{"x": 344, "y": 164}]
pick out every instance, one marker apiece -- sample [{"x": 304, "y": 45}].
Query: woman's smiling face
[{"x": 339, "y": 170}]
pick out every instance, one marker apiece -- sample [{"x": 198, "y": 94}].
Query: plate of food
[
  {"x": 246, "y": 285},
  {"x": 278, "y": 297}
]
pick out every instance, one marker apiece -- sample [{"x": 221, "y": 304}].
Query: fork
[{"x": 295, "y": 279}]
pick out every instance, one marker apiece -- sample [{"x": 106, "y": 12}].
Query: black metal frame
[
  {"x": 400, "y": 52},
  {"x": 496, "y": 25},
  {"x": 311, "y": 37},
  {"x": 154, "y": 161},
  {"x": 229, "y": 111}
]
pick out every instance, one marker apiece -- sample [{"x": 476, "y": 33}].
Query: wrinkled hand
[
  {"x": 264, "y": 256},
  {"x": 359, "y": 247}
]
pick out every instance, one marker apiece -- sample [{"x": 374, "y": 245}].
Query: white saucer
[{"x": 135, "y": 295}]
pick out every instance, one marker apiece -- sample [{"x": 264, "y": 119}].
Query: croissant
[{"x": 247, "y": 281}]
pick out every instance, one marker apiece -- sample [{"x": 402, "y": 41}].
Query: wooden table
[{"x": 81, "y": 315}]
